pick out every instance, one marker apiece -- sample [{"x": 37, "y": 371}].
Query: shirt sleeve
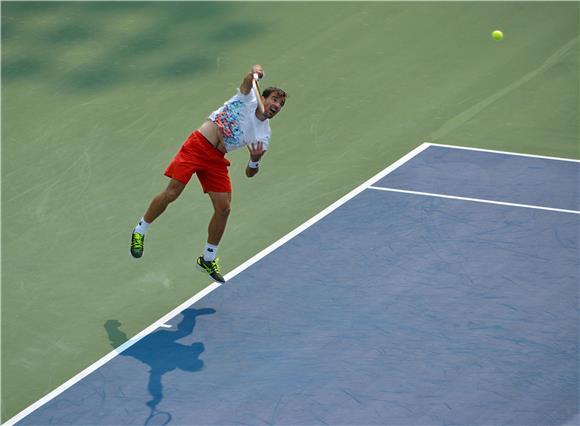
[{"x": 247, "y": 99}]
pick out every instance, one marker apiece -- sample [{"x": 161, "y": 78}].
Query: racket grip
[{"x": 256, "y": 76}]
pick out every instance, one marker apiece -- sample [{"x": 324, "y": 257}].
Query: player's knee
[{"x": 223, "y": 209}]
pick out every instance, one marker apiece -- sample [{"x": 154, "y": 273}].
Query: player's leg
[
  {"x": 221, "y": 202},
  {"x": 162, "y": 200},
  {"x": 215, "y": 181},
  {"x": 221, "y": 210},
  {"x": 180, "y": 170},
  {"x": 156, "y": 208}
]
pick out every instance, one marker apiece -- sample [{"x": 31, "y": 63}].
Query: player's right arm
[{"x": 246, "y": 86}]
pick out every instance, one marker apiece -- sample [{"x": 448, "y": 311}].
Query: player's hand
[
  {"x": 257, "y": 69},
  {"x": 256, "y": 151}
]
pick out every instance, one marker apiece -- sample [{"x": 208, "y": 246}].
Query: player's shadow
[{"x": 161, "y": 351}]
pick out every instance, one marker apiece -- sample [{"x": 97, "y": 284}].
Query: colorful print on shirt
[{"x": 228, "y": 121}]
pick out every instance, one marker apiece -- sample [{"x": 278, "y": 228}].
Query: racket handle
[{"x": 256, "y": 76}]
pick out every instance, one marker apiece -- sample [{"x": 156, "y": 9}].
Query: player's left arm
[{"x": 257, "y": 151}]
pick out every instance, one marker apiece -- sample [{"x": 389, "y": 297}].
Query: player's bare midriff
[{"x": 210, "y": 131}]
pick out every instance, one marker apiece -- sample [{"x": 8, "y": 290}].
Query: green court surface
[{"x": 98, "y": 96}]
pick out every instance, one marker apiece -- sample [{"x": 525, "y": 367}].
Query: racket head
[{"x": 158, "y": 418}]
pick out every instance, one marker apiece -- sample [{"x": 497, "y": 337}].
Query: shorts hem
[{"x": 183, "y": 181}]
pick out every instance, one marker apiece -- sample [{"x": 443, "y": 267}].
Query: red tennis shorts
[{"x": 197, "y": 155}]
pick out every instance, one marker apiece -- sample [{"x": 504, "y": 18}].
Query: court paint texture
[{"x": 392, "y": 308}]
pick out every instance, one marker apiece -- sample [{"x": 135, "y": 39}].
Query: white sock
[
  {"x": 141, "y": 227},
  {"x": 209, "y": 252}
]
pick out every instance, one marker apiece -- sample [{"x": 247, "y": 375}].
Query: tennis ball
[{"x": 497, "y": 34}]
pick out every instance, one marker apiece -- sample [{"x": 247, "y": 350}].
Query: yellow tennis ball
[{"x": 497, "y": 34}]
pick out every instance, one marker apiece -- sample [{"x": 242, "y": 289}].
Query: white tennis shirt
[{"x": 238, "y": 123}]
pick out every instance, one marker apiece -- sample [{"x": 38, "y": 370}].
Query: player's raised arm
[{"x": 246, "y": 85}]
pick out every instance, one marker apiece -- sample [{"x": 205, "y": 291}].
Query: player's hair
[{"x": 269, "y": 90}]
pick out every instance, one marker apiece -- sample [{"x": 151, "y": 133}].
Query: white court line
[
  {"x": 477, "y": 200},
  {"x": 162, "y": 321},
  {"x": 518, "y": 154}
]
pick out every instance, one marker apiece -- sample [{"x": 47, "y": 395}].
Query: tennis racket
[
  {"x": 258, "y": 91},
  {"x": 158, "y": 418}
]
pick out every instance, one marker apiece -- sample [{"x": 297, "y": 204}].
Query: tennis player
[{"x": 240, "y": 122}]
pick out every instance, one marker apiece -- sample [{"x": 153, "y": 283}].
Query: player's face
[{"x": 273, "y": 104}]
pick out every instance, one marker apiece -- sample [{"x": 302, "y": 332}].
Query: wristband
[{"x": 253, "y": 164}]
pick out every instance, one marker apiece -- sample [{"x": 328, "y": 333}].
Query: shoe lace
[
  {"x": 213, "y": 266},
  {"x": 137, "y": 241}
]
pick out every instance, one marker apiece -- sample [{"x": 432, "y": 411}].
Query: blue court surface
[{"x": 443, "y": 291}]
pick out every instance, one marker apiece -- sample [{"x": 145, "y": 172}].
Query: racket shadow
[{"x": 162, "y": 353}]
